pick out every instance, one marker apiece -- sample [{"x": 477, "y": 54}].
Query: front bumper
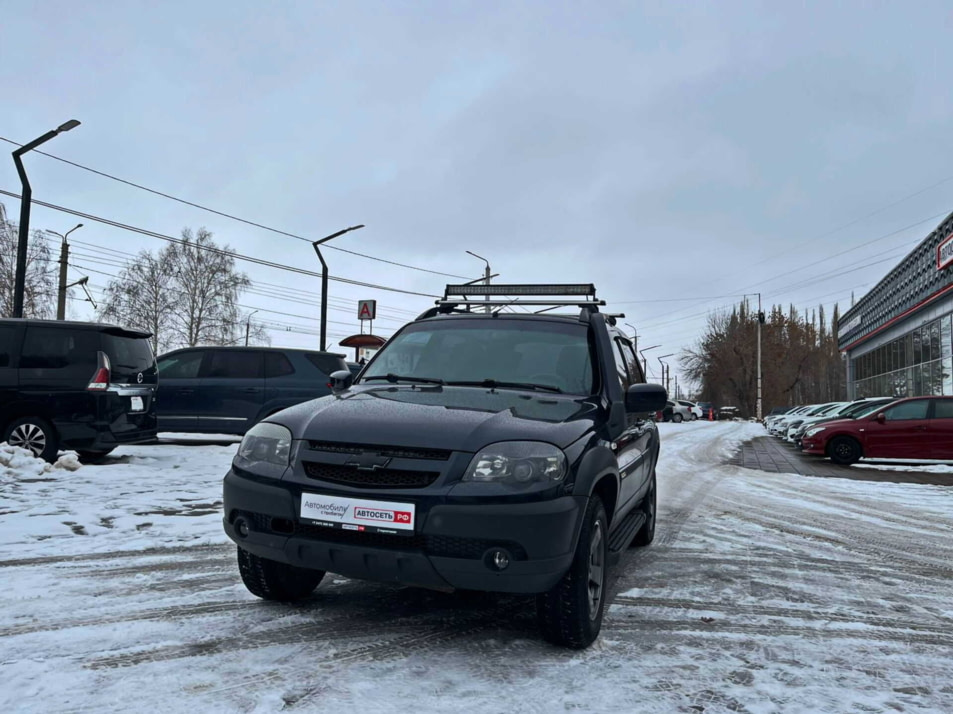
[
  {"x": 812, "y": 445},
  {"x": 447, "y": 551}
]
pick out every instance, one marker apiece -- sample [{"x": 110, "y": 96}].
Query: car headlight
[
  {"x": 265, "y": 443},
  {"x": 518, "y": 463},
  {"x": 812, "y": 432}
]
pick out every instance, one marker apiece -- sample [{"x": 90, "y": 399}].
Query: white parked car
[{"x": 696, "y": 411}]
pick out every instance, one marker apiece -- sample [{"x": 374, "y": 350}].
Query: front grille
[
  {"x": 378, "y": 478},
  {"x": 440, "y": 546},
  {"x": 394, "y": 452}
]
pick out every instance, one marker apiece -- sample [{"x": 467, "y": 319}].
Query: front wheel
[
  {"x": 570, "y": 615},
  {"x": 271, "y": 580},
  {"x": 677, "y": 418},
  {"x": 844, "y": 450},
  {"x": 694, "y": 417}
]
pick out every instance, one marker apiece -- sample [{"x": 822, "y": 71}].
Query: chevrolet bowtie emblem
[{"x": 368, "y": 462}]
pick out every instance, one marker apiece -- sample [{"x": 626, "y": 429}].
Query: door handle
[
  {"x": 186, "y": 391},
  {"x": 250, "y": 390}
]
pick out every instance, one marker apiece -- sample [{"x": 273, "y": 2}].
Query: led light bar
[{"x": 560, "y": 289}]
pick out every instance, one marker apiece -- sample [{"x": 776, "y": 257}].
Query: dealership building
[{"x": 898, "y": 339}]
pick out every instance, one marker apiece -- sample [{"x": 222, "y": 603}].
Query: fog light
[
  {"x": 241, "y": 527},
  {"x": 497, "y": 559}
]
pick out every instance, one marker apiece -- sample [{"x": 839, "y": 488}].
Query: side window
[
  {"x": 55, "y": 348},
  {"x": 943, "y": 409},
  {"x": 635, "y": 367},
  {"x": 235, "y": 364},
  {"x": 620, "y": 364},
  {"x": 908, "y": 410},
  {"x": 181, "y": 366},
  {"x": 7, "y": 334},
  {"x": 327, "y": 363},
  {"x": 277, "y": 365}
]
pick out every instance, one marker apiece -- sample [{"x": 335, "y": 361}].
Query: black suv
[
  {"x": 75, "y": 385},
  {"x": 494, "y": 451},
  {"x": 226, "y": 390}
]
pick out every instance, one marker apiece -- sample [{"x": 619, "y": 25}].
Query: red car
[{"x": 915, "y": 428}]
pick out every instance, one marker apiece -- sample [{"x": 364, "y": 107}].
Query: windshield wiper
[
  {"x": 493, "y": 384},
  {"x": 394, "y": 378}
]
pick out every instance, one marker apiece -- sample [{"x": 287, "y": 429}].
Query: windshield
[
  {"x": 550, "y": 354},
  {"x": 129, "y": 356}
]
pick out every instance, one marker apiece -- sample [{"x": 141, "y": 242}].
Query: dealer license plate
[
  {"x": 356, "y": 514},
  {"x": 137, "y": 405}
]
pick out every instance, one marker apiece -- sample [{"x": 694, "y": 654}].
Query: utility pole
[
  {"x": 64, "y": 260},
  {"x": 26, "y": 199},
  {"x": 324, "y": 283},
  {"x": 666, "y": 381},
  {"x": 248, "y": 326},
  {"x": 486, "y": 274},
  {"x": 760, "y": 322},
  {"x": 645, "y": 360}
]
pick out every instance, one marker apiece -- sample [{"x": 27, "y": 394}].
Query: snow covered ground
[{"x": 762, "y": 593}]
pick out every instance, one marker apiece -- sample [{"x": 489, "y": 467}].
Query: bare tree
[
  {"x": 39, "y": 296},
  {"x": 144, "y": 296},
  {"x": 208, "y": 288}
]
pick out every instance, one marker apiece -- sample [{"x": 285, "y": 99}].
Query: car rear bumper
[{"x": 449, "y": 550}]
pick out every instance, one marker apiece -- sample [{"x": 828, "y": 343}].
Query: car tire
[
  {"x": 646, "y": 533},
  {"x": 570, "y": 615},
  {"x": 694, "y": 417},
  {"x": 35, "y": 434},
  {"x": 271, "y": 580},
  {"x": 678, "y": 418},
  {"x": 844, "y": 450}
]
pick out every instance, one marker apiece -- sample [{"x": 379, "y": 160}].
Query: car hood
[
  {"x": 840, "y": 423},
  {"x": 450, "y": 418}
]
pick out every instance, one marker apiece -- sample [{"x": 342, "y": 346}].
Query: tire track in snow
[{"x": 941, "y": 628}]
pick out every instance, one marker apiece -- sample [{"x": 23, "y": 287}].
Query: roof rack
[{"x": 551, "y": 295}]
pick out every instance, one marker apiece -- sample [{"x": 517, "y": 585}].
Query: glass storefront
[{"x": 917, "y": 364}]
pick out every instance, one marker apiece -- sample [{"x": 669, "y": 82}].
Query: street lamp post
[
  {"x": 26, "y": 197},
  {"x": 248, "y": 325},
  {"x": 666, "y": 380},
  {"x": 645, "y": 360},
  {"x": 64, "y": 258},
  {"x": 324, "y": 282},
  {"x": 486, "y": 274},
  {"x": 760, "y": 318}
]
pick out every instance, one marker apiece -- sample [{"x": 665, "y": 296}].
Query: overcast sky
[{"x": 675, "y": 154}]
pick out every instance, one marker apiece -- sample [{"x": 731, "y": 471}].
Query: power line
[
  {"x": 285, "y": 295},
  {"x": 230, "y": 216},
  {"x": 220, "y": 251}
]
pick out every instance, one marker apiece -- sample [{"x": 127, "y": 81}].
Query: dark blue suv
[{"x": 227, "y": 390}]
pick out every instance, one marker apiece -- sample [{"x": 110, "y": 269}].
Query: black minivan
[
  {"x": 75, "y": 385},
  {"x": 227, "y": 390}
]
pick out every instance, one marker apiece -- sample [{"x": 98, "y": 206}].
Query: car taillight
[{"x": 101, "y": 376}]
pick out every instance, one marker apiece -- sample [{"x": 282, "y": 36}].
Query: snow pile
[{"x": 18, "y": 463}]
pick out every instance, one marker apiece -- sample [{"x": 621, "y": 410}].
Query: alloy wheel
[
  {"x": 28, "y": 436},
  {"x": 596, "y": 570}
]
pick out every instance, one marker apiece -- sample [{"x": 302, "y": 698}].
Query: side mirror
[
  {"x": 341, "y": 380},
  {"x": 645, "y": 398},
  {"x": 881, "y": 418}
]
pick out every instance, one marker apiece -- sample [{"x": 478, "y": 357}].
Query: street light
[
  {"x": 248, "y": 325},
  {"x": 645, "y": 360},
  {"x": 26, "y": 198},
  {"x": 665, "y": 381},
  {"x": 64, "y": 258},
  {"x": 324, "y": 282},
  {"x": 486, "y": 274},
  {"x": 760, "y": 322}
]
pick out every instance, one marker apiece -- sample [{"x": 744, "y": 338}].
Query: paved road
[{"x": 763, "y": 592}]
